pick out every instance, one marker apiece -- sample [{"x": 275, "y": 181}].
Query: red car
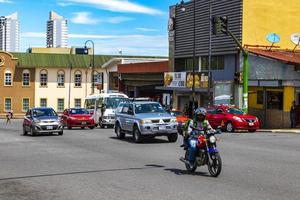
[
  {"x": 231, "y": 118},
  {"x": 77, "y": 117}
]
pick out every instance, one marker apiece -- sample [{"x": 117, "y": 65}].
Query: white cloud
[
  {"x": 33, "y": 35},
  {"x": 83, "y": 18},
  {"x": 5, "y": 1},
  {"x": 118, "y": 20},
  {"x": 63, "y": 4},
  {"x": 146, "y": 29},
  {"x": 117, "y": 6}
]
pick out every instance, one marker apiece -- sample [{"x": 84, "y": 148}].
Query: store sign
[
  {"x": 201, "y": 80},
  {"x": 175, "y": 79}
]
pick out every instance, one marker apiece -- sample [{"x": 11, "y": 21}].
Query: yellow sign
[{"x": 201, "y": 80}]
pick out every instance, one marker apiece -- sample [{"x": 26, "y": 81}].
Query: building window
[
  {"x": 25, "y": 106},
  {"x": 186, "y": 64},
  {"x": 7, "y": 104},
  {"x": 26, "y": 78},
  {"x": 60, "y": 105},
  {"x": 274, "y": 100},
  {"x": 77, "y": 103},
  {"x": 43, "y": 102},
  {"x": 260, "y": 97},
  {"x": 217, "y": 63},
  {"x": 61, "y": 79},
  {"x": 77, "y": 79},
  {"x": 8, "y": 78},
  {"x": 97, "y": 78},
  {"x": 43, "y": 78}
]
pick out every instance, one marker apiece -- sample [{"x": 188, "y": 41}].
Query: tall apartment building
[
  {"x": 57, "y": 31},
  {"x": 9, "y": 33}
]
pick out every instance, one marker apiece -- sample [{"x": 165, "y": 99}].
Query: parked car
[
  {"x": 231, "y": 119},
  {"x": 42, "y": 120},
  {"x": 77, "y": 117},
  {"x": 143, "y": 119}
]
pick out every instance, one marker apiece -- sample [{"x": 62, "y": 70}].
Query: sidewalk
[{"x": 296, "y": 130}]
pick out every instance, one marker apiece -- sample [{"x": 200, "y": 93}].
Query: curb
[{"x": 278, "y": 131}]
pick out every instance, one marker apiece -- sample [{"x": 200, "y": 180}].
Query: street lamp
[
  {"x": 93, "y": 63},
  {"x": 182, "y": 8}
]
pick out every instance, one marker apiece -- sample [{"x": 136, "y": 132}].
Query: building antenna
[{"x": 295, "y": 38}]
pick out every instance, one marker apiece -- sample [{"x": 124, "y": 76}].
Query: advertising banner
[
  {"x": 201, "y": 80},
  {"x": 175, "y": 79}
]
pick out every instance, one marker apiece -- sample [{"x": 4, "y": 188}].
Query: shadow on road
[
  {"x": 149, "y": 166},
  {"x": 145, "y": 140},
  {"x": 185, "y": 172}
]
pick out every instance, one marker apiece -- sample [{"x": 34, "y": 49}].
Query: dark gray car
[
  {"x": 144, "y": 119},
  {"x": 42, "y": 120}
]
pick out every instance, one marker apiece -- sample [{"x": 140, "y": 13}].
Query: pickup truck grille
[{"x": 155, "y": 121}]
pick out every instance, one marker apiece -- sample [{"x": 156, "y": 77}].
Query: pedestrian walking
[
  {"x": 292, "y": 114},
  {"x": 8, "y": 117}
]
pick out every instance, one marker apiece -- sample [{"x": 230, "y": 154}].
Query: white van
[{"x": 111, "y": 101}]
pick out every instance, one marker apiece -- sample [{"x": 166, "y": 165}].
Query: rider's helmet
[{"x": 200, "y": 111}]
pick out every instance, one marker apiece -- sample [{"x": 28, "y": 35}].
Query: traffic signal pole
[{"x": 245, "y": 71}]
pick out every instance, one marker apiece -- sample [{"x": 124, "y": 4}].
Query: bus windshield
[{"x": 113, "y": 102}]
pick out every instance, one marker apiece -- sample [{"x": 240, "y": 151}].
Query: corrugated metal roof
[
  {"x": 33, "y": 60},
  {"x": 284, "y": 56}
]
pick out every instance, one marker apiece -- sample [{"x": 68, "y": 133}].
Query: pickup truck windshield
[{"x": 149, "y": 108}]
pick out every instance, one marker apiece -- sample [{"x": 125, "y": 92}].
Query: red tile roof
[
  {"x": 145, "y": 67},
  {"x": 282, "y": 55}
]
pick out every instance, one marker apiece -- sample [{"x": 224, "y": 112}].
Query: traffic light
[
  {"x": 238, "y": 77},
  {"x": 216, "y": 25},
  {"x": 224, "y": 24}
]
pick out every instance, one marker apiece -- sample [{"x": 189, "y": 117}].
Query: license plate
[
  {"x": 83, "y": 122},
  {"x": 162, "y": 128},
  {"x": 49, "y": 127},
  {"x": 251, "y": 124}
]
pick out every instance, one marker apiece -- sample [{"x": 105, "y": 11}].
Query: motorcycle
[{"x": 206, "y": 151}]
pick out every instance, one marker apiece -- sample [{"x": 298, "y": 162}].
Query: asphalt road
[{"x": 93, "y": 165}]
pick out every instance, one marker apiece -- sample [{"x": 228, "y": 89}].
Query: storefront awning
[{"x": 198, "y": 90}]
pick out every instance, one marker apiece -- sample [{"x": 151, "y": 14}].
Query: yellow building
[{"x": 261, "y": 18}]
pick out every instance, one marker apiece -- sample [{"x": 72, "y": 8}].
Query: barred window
[
  {"x": 77, "y": 79},
  {"x": 60, "y": 105},
  {"x": 8, "y": 78},
  {"x": 60, "y": 79},
  {"x": 43, "y": 102},
  {"x": 43, "y": 78},
  {"x": 26, "y": 78},
  {"x": 7, "y": 105},
  {"x": 77, "y": 103},
  {"x": 25, "y": 105}
]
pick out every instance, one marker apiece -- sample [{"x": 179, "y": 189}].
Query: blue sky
[{"x": 138, "y": 27}]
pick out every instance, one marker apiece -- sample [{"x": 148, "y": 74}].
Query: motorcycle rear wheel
[
  {"x": 190, "y": 168},
  {"x": 214, "y": 165}
]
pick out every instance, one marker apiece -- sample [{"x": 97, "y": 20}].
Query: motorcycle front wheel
[
  {"x": 214, "y": 164},
  {"x": 190, "y": 168}
]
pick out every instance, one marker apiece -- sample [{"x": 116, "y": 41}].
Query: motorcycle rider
[{"x": 201, "y": 123}]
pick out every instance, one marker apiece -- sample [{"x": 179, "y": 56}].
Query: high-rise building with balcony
[
  {"x": 57, "y": 31},
  {"x": 9, "y": 33}
]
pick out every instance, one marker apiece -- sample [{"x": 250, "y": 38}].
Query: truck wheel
[
  {"x": 119, "y": 132},
  {"x": 173, "y": 137},
  {"x": 137, "y": 137}
]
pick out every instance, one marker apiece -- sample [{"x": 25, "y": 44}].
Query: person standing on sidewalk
[
  {"x": 292, "y": 114},
  {"x": 8, "y": 117}
]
